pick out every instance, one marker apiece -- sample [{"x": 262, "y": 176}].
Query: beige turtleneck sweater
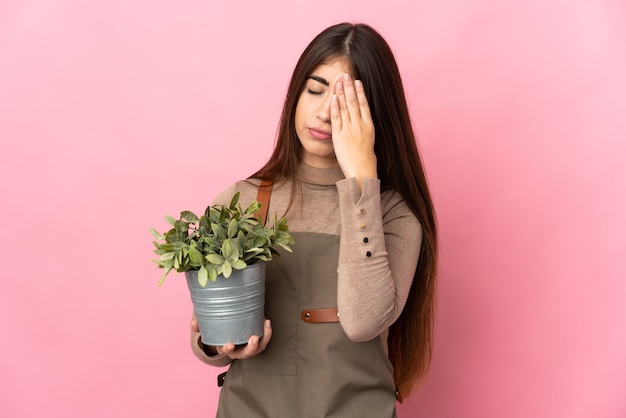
[{"x": 380, "y": 242}]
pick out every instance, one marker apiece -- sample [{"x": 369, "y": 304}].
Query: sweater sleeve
[
  {"x": 219, "y": 360},
  {"x": 378, "y": 255}
]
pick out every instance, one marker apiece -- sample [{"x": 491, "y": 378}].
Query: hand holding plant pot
[{"x": 222, "y": 254}]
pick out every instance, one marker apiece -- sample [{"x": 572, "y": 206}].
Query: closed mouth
[{"x": 320, "y": 134}]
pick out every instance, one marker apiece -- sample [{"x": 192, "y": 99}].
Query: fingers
[
  {"x": 227, "y": 349},
  {"x": 353, "y": 130},
  {"x": 364, "y": 106},
  {"x": 267, "y": 335},
  {"x": 340, "y": 94},
  {"x": 351, "y": 100},
  {"x": 193, "y": 324},
  {"x": 335, "y": 116},
  {"x": 254, "y": 346},
  {"x": 248, "y": 350},
  {"x": 349, "y": 108},
  {"x": 352, "y": 103}
]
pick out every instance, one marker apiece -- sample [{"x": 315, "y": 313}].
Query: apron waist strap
[{"x": 320, "y": 315}]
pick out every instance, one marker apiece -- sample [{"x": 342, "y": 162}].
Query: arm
[
  {"x": 372, "y": 290},
  {"x": 217, "y": 360},
  {"x": 380, "y": 243}
]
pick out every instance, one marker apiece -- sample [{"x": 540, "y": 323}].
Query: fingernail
[
  {"x": 339, "y": 86},
  {"x": 346, "y": 77},
  {"x": 267, "y": 323}
]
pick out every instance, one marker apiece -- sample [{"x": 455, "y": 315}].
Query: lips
[{"x": 320, "y": 134}]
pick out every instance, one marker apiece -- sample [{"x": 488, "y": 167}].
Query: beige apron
[{"x": 309, "y": 370}]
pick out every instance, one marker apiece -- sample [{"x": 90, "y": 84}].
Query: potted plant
[{"x": 222, "y": 254}]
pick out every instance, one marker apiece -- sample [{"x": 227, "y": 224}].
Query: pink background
[{"x": 113, "y": 113}]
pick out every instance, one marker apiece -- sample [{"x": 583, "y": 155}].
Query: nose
[{"x": 324, "y": 111}]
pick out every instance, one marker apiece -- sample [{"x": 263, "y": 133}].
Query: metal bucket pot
[{"x": 230, "y": 309}]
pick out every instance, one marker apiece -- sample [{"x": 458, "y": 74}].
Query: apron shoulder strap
[{"x": 263, "y": 197}]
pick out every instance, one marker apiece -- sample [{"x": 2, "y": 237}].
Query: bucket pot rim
[{"x": 194, "y": 272}]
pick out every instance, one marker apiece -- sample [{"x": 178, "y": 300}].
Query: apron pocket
[{"x": 281, "y": 308}]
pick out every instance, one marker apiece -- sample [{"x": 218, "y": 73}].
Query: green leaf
[
  {"x": 168, "y": 265},
  {"x": 239, "y": 265},
  {"x": 227, "y": 249},
  {"x": 178, "y": 260},
  {"x": 212, "y": 273},
  {"x": 212, "y": 242},
  {"x": 156, "y": 233},
  {"x": 218, "y": 230},
  {"x": 170, "y": 220},
  {"x": 204, "y": 225},
  {"x": 223, "y": 213},
  {"x": 254, "y": 208},
  {"x": 226, "y": 269},
  {"x": 163, "y": 277},
  {"x": 189, "y": 216},
  {"x": 263, "y": 233},
  {"x": 241, "y": 240},
  {"x": 234, "y": 201},
  {"x": 203, "y": 276},
  {"x": 167, "y": 256},
  {"x": 284, "y": 246},
  {"x": 233, "y": 227},
  {"x": 195, "y": 256},
  {"x": 164, "y": 248},
  {"x": 249, "y": 222},
  {"x": 215, "y": 259},
  {"x": 236, "y": 250}
]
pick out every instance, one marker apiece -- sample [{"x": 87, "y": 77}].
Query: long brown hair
[{"x": 399, "y": 168}]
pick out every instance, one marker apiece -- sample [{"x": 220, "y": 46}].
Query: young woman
[{"x": 350, "y": 311}]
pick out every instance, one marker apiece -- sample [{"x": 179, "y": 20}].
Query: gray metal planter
[{"x": 230, "y": 309}]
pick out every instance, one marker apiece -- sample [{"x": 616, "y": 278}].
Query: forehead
[{"x": 333, "y": 69}]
